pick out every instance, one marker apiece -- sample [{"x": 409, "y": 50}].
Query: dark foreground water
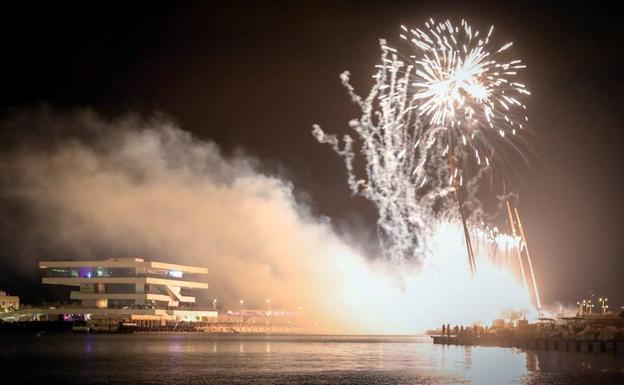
[{"x": 207, "y": 359}]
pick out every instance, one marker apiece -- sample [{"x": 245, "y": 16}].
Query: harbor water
[{"x": 261, "y": 359}]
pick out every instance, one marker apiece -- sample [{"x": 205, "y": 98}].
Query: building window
[{"x": 120, "y": 288}]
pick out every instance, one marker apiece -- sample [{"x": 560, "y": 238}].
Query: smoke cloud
[{"x": 144, "y": 187}]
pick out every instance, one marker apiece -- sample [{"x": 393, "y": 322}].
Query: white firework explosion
[
  {"x": 465, "y": 84},
  {"x": 426, "y": 117}
]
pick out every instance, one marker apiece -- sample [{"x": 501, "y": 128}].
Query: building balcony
[
  {"x": 77, "y": 281},
  {"x": 139, "y": 297}
]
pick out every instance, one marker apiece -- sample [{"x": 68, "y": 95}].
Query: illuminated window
[{"x": 175, "y": 274}]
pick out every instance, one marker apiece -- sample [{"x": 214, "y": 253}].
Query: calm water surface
[{"x": 208, "y": 359}]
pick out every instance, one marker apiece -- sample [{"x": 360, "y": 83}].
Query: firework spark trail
[
  {"x": 395, "y": 148},
  {"x": 451, "y": 100}
]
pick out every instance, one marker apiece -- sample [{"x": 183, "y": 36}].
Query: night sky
[{"x": 255, "y": 76}]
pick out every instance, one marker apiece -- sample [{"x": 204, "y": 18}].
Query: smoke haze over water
[{"x": 83, "y": 187}]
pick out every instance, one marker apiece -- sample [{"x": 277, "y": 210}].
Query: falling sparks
[{"x": 395, "y": 154}]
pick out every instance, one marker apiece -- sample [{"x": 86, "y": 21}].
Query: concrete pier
[
  {"x": 573, "y": 345},
  {"x": 556, "y": 344},
  {"x": 552, "y": 344}
]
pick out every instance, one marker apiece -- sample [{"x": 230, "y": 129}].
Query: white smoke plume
[{"x": 134, "y": 187}]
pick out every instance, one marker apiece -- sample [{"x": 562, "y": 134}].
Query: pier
[{"x": 556, "y": 344}]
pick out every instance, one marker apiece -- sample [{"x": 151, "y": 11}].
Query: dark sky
[{"x": 257, "y": 75}]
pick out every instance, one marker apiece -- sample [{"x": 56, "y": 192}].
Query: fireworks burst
[
  {"x": 426, "y": 116},
  {"x": 428, "y": 129},
  {"x": 463, "y": 83}
]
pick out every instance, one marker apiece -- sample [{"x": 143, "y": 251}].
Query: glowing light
[
  {"x": 440, "y": 291},
  {"x": 175, "y": 274}
]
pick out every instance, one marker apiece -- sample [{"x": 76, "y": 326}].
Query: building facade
[
  {"x": 118, "y": 283},
  {"x": 8, "y": 302},
  {"x": 128, "y": 289}
]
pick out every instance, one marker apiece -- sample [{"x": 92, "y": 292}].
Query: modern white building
[
  {"x": 129, "y": 289},
  {"x": 8, "y": 302},
  {"x": 125, "y": 282}
]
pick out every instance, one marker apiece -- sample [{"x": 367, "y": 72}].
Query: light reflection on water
[{"x": 209, "y": 359}]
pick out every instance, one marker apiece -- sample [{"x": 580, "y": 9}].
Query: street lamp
[
  {"x": 603, "y": 302},
  {"x": 578, "y": 310},
  {"x": 269, "y": 303},
  {"x": 214, "y": 304}
]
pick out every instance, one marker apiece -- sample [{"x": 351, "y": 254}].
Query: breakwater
[{"x": 558, "y": 344}]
